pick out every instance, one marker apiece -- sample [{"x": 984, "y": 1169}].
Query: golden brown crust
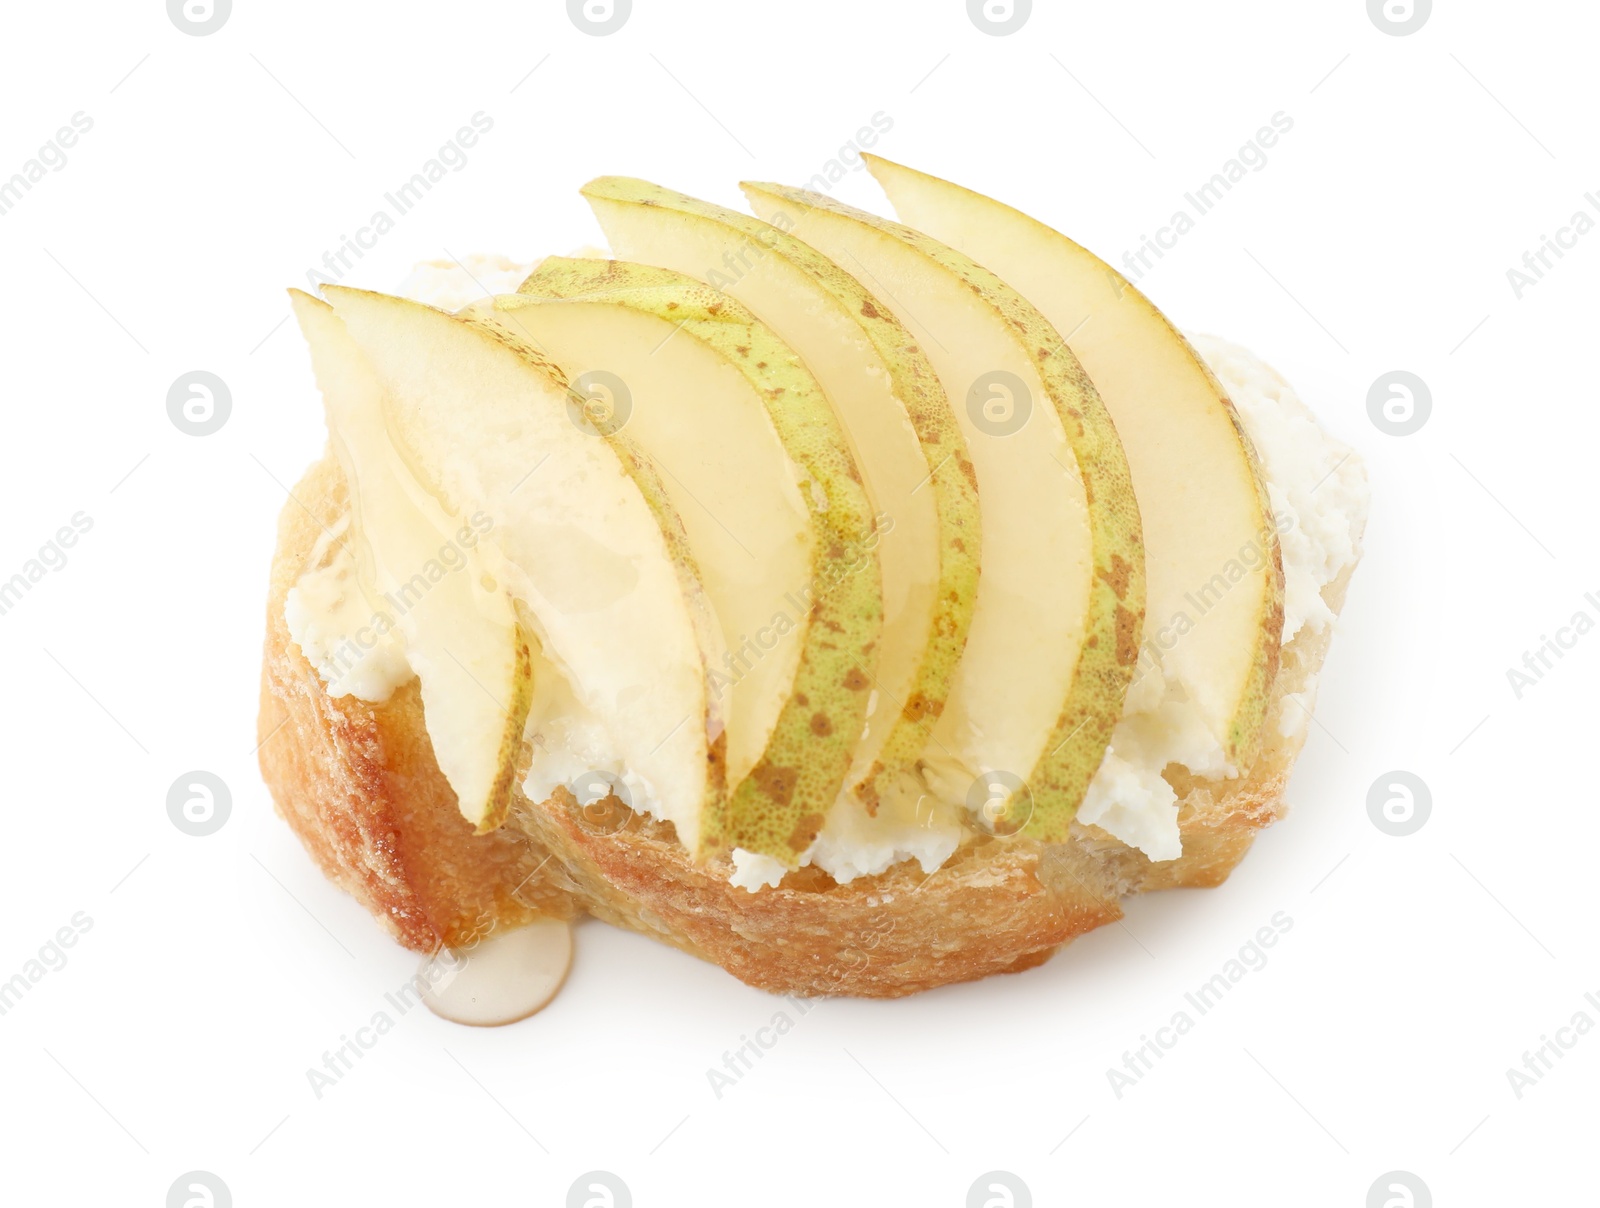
[{"x": 359, "y": 785}]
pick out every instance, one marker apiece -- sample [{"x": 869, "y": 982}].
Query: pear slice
[
  {"x": 591, "y": 544},
  {"x": 461, "y": 634},
  {"x": 1215, "y": 609},
  {"x": 1055, "y": 631},
  {"x": 775, "y": 508},
  {"x": 902, "y": 430},
  {"x": 726, "y": 470}
]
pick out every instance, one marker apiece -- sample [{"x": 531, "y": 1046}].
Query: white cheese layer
[
  {"x": 453, "y": 284},
  {"x": 354, "y": 645}
]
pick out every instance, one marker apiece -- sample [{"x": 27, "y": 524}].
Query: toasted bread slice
[{"x": 358, "y": 783}]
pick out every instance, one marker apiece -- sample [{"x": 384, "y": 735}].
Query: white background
[{"x": 220, "y": 168}]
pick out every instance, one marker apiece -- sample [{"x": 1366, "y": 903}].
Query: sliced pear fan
[{"x": 860, "y": 528}]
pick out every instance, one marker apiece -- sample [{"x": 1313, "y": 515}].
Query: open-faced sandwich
[{"x": 862, "y": 607}]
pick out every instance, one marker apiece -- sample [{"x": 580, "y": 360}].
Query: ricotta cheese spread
[{"x": 354, "y": 646}]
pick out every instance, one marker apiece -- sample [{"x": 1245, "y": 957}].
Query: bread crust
[{"x": 358, "y": 783}]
